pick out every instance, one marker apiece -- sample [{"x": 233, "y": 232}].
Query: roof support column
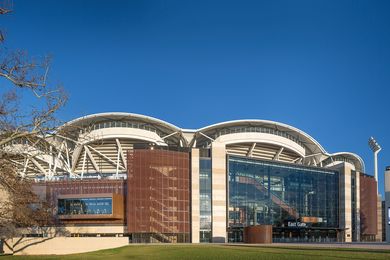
[
  {"x": 249, "y": 154},
  {"x": 195, "y": 190},
  {"x": 218, "y": 168},
  {"x": 278, "y": 153}
]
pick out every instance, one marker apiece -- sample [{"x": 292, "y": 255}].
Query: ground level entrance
[{"x": 291, "y": 235}]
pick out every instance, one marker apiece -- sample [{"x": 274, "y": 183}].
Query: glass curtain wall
[
  {"x": 353, "y": 205},
  {"x": 296, "y": 199},
  {"x": 205, "y": 199}
]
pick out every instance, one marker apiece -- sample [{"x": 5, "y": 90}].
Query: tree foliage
[{"x": 26, "y": 125}]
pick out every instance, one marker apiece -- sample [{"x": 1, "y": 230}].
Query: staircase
[
  {"x": 275, "y": 199},
  {"x": 159, "y": 238}
]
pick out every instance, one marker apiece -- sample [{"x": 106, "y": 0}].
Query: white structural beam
[
  {"x": 314, "y": 154},
  {"x": 58, "y": 156},
  {"x": 298, "y": 160},
  {"x": 249, "y": 154},
  {"x": 278, "y": 153},
  {"x": 117, "y": 163},
  {"x": 67, "y": 155},
  {"x": 90, "y": 156},
  {"x": 208, "y": 137},
  {"x": 169, "y": 135},
  {"x": 39, "y": 166},
  {"x": 83, "y": 167},
  {"x": 314, "y": 161},
  {"x": 50, "y": 162},
  {"x": 104, "y": 156},
  {"x": 120, "y": 151},
  {"x": 76, "y": 156},
  {"x": 25, "y": 167}
]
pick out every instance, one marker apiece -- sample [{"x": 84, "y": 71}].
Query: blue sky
[{"x": 321, "y": 66}]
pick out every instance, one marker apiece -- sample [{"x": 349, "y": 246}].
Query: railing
[{"x": 252, "y": 129}]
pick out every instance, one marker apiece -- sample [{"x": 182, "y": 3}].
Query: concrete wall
[
  {"x": 218, "y": 168},
  {"x": 95, "y": 229},
  {"x": 61, "y": 245},
  {"x": 195, "y": 206}
]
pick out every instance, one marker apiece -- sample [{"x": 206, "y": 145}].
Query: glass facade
[
  {"x": 79, "y": 206},
  {"x": 205, "y": 199},
  {"x": 300, "y": 202},
  {"x": 353, "y": 205}
]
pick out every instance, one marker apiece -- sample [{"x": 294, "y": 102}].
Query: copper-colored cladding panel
[
  {"x": 158, "y": 199},
  {"x": 88, "y": 188},
  {"x": 261, "y": 234},
  {"x": 368, "y": 204}
]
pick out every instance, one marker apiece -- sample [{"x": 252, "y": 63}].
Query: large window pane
[
  {"x": 78, "y": 206},
  {"x": 281, "y": 195}
]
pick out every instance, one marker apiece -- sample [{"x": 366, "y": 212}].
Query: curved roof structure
[
  {"x": 276, "y": 128},
  {"x": 87, "y": 120},
  {"x": 98, "y": 143},
  {"x": 352, "y": 158},
  {"x": 91, "y": 122}
]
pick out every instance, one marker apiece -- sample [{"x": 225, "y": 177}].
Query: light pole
[
  {"x": 376, "y": 148},
  {"x": 307, "y": 202}
]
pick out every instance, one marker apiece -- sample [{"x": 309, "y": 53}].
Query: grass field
[{"x": 219, "y": 252}]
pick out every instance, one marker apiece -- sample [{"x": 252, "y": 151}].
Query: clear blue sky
[{"x": 321, "y": 66}]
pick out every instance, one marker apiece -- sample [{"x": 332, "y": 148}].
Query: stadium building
[{"x": 129, "y": 175}]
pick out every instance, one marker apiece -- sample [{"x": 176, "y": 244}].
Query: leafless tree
[{"x": 28, "y": 108}]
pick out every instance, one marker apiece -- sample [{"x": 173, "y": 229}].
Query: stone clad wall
[
  {"x": 218, "y": 160},
  {"x": 61, "y": 245}
]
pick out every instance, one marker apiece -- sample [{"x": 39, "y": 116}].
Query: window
[{"x": 80, "y": 206}]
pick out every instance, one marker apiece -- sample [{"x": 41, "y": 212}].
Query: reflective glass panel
[
  {"x": 283, "y": 195},
  {"x": 78, "y": 206}
]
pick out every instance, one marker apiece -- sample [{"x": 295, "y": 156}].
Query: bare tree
[{"x": 24, "y": 125}]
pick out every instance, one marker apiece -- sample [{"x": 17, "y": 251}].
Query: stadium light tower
[{"x": 376, "y": 148}]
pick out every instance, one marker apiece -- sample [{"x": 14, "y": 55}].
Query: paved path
[{"x": 325, "y": 245}]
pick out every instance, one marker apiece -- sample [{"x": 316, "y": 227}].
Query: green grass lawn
[{"x": 220, "y": 252}]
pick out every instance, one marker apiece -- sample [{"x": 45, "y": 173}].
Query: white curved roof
[
  {"x": 85, "y": 120},
  {"x": 356, "y": 159},
  {"x": 303, "y": 137},
  {"x": 312, "y": 146}
]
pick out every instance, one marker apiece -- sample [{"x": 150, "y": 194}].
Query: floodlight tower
[{"x": 376, "y": 148}]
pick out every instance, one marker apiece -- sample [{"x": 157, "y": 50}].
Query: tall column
[
  {"x": 218, "y": 180},
  {"x": 357, "y": 196},
  {"x": 346, "y": 202},
  {"x": 195, "y": 206}
]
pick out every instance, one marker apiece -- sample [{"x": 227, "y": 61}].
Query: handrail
[{"x": 276, "y": 199}]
